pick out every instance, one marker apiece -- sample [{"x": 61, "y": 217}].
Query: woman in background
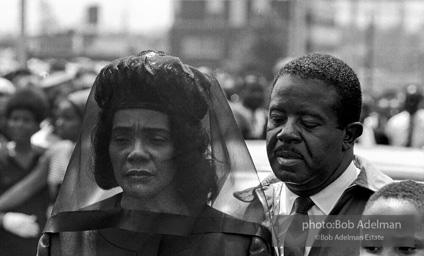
[
  {"x": 22, "y": 223},
  {"x": 51, "y": 166}
]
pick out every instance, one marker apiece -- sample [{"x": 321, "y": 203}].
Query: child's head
[
  {"x": 70, "y": 115},
  {"x": 398, "y": 198},
  {"x": 24, "y": 112}
]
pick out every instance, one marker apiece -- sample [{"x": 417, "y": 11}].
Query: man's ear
[{"x": 351, "y": 132}]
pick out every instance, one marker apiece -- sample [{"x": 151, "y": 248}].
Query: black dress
[{"x": 211, "y": 228}]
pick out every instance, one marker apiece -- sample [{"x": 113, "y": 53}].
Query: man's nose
[{"x": 289, "y": 131}]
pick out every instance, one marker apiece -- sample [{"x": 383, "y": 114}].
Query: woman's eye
[
  {"x": 120, "y": 139},
  {"x": 158, "y": 139}
]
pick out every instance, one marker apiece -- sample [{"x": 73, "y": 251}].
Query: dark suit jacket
[{"x": 352, "y": 203}]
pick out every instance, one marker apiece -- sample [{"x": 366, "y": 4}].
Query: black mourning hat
[{"x": 153, "y": 80}]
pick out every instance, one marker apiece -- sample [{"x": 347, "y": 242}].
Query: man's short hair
[
  {"x": 408, "y": 190},
  {"x": 335, "y": 73}
]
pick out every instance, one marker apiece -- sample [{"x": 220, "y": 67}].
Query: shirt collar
[{"x": 328, "y": 197}]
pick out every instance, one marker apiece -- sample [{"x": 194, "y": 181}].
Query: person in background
[
  {"x": 367, "y": 139},
  {"x": 52, "y": 165},
  {"x": 84, "y": 78},
  {"x": 249, "y": 111},
  {"x": 57, "y": 87},
  {"x": 7, "y": 89},
  {"x": 21, "y": 225},
  {"x": 405, "y": 198},
  {"x": 406, "y": 128},
  {"x": 228, "y": 84},
  {"x": 22, "y": 78}
]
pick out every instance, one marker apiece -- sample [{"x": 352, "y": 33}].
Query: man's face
[{"x": 304, "y": 145}]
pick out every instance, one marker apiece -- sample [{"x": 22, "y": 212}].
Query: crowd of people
[
  {"x": 385, "y": 116},
  {"x": 146, "y": 156},
  {"x": 41, "y": 117}
]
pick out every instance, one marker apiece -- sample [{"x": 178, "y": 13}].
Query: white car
[{"x": 397, "y": 162}]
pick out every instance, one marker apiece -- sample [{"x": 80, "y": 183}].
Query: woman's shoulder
[
  {"x": 214, "y": 221},
  {"x": 112, "y": 202}
]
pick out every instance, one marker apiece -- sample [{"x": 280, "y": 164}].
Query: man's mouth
[{"x": 287, "y": 154}]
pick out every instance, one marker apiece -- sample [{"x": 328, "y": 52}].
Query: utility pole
[
  {"x": 369, "y": 58},
  {"x": 22, "y": 51}
]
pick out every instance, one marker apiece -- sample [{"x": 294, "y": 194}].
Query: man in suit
[
  {"x": 406, "y": 128},
  {"x": 313, "y": 122}
]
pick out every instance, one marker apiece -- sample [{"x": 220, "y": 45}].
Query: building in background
[
  {"x": 236, "y": 35},
  {"x": 382, "y": 40},
  {"x": 90, "y": 40}
]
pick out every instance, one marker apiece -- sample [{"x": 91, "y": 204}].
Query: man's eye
[
  {"x": 277, "y": 119},
  {"x": 308, "y": 124},
  {"x": 373, "y": 249}
]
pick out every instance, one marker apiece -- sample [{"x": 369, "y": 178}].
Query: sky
[{"x": 114, "y": 15}]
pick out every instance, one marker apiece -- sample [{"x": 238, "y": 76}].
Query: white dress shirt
[
  {"x": 397, "y": 129},
  {"x": 325, "y": 200}
]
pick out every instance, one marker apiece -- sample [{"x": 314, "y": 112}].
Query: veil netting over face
[{"x": 210, "y": 157}]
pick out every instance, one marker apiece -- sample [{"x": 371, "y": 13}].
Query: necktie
[{"x": 295, "y": 239}]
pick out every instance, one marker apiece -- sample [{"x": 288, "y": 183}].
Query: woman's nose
[{"x": 139, "y": 151}]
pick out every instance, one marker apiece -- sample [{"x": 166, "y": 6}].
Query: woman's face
[
  {"x": 22, "y": 125},
  {"x": 68, "y": 122},
  {"x": 142, "y": 154}
]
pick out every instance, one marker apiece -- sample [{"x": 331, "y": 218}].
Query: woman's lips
[{"x": 139, "y": 173}]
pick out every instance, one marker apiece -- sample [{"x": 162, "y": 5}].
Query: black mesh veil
[{"x": 154, "y": 80}]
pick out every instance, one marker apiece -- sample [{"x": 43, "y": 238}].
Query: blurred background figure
[
  {"x": 369, "y": 122},
  {"x": 22, "y": 224},
  {"x": 68, "y": 125},
  {"x": 56, "y": 86},
  {"x": 52, "y": 165},
  {"x": 249, "y": 111},
  {"x": 407, "y": 127},
  {"x": 228, "y": 84},
  {"x": 84, "y": 78},
  {"x": 22, "y": 78},
  {"x": 6, "y": 91}
]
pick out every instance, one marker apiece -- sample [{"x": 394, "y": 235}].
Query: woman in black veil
[{"x": 156, "y": 168}]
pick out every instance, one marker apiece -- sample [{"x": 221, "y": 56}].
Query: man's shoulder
[{"x": 369, "y": 176}]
